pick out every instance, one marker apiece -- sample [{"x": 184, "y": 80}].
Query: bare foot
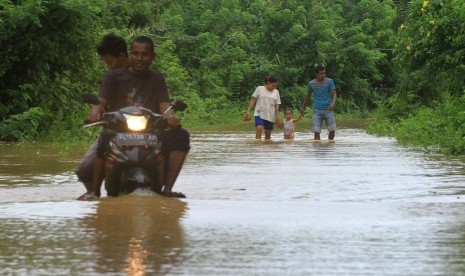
[
  {"x": 174, "y": 194},
  {"x": 88, "y": 196}
]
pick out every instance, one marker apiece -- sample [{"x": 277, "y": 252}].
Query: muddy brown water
[{"x": 362, "y": 205}]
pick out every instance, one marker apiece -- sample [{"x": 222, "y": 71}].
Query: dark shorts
[
  {"x": 266, "y": 124},
  {"x": 177, "y": 139}
]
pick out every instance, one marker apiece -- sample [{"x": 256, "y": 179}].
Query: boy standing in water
[{"x": 324, "y": 101}]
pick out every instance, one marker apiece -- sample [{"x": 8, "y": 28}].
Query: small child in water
[{"x": 288, "y": 124}]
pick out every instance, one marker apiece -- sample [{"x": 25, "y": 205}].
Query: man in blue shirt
[{"x": 324, "y": 101}]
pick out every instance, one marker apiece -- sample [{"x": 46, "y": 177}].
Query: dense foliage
[
  {"x": 431, "y": 51},
  {"x": 47, "y": 57},
  {"x": 400, "y": 57},
  {"x": 440, "y": 129},
  {"x": 214, "y": 54},
  {"x": 428, "y": 107}
]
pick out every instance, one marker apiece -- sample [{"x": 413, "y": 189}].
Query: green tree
[
  {"x": 430, "y": 50},
  {"x": 48, "y": 55},
  {"x": 214, "y": 52}
]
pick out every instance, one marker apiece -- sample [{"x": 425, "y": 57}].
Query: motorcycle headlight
[{"x": 136, "y": 123}]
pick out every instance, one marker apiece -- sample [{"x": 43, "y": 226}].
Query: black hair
[
  {"x": 288, "y": 109},
  {"x": 113, "y": 45},
  {"x": 319, "y": 68},
  {"x": 145, "y": 39},
  {"x": 270, "y": 79}
]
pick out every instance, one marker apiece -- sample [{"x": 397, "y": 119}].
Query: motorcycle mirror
[
  {"x": 90, "y": 98},
  {"x": 179, "y": 105}
]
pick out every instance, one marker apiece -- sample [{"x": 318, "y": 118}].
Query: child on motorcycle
[{"x": 112, "y": 49}]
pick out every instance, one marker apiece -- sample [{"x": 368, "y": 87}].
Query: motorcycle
[{"x": 133, "y": 158}]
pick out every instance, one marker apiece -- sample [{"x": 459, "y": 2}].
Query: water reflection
[
  {"x": 140, "y": 235},
  {"x": 361, "y": 205},
  {"x": 458, "y": 268},
  {"x": 32, "y": 164}
]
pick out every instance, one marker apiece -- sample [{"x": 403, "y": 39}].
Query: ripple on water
[{"x": 361, "y": 205}]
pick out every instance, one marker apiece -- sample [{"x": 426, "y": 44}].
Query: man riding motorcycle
[{"x": 140, "y": 85}]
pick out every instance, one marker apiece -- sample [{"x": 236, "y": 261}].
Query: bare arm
[
  {"x": 276, "y": 114},
  {"x": 298, "y": 119},
  {"x": 97, "y": 110},
  {"x": 171, "y": 119},
  {"x": 306, "y": 100},
  {"x": 253, "y": 101},
  {"x": 251, "y": 105},
  {"x": 333, "y": 103}
]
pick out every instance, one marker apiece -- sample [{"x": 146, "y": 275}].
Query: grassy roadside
[{"x": 439, "y": 129}]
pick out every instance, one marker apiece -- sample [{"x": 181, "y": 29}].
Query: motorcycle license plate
[{"x": 136, "y": 139}]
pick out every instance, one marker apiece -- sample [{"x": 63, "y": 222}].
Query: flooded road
[{"x": 361, "y": 205}]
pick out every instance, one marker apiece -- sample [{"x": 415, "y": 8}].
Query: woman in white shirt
[{"x": 266, "y": 100}]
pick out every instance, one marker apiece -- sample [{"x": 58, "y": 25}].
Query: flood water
[{"x": 361, "y": 205}]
